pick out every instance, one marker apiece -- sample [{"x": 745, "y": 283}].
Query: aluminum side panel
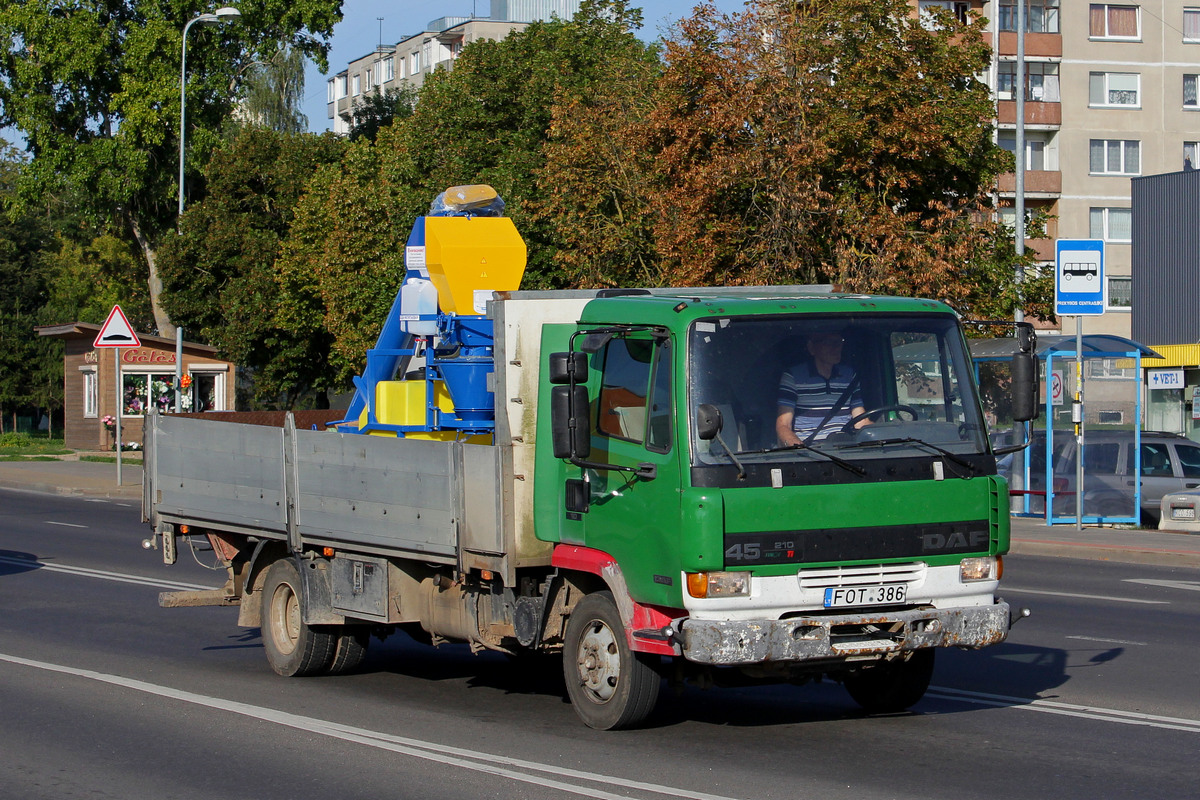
[
  {"x": 219, "y": 472},
  {"x": 374, "y": 490}
]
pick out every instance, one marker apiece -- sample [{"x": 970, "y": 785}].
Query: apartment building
[
  {"x": 412, "y": 58},
  {"x": 1110, "y": 94}
]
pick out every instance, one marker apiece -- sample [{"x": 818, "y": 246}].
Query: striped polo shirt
[{"x": 808, "y": 392}]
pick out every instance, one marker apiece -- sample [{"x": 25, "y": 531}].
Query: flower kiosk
[{"x": 147, "y": 380}]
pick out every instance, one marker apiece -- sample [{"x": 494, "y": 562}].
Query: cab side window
[
  {"x": 635, "y": 392},
  {"x": 624, "y": 388}
]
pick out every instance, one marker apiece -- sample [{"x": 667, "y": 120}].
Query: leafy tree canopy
[{"x": 94, "y": 88}]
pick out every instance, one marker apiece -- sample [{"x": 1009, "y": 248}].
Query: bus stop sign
[{"x": 1079, "y": 285}]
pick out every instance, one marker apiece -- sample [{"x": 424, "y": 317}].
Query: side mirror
[
  {"x": 571, "y": 437},
  {"x": 1024, "y": 387},
  {"x": 568, "y": 368},
  {"x": 708, "y": 421}
]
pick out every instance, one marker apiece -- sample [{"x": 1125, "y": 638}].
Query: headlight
[
  {"x": 983, "y": 568},
  {"x": 718, "y": 584}
]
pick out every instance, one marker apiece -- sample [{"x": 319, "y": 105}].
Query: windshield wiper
[
  {"x": 913, "y": 440},
  {"x": 841, "y": 462}
]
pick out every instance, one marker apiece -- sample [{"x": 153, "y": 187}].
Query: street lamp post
[{"x": 226, "y": 14}]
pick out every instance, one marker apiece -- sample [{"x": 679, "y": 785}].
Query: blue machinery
[{"x": 454, "y": 259}]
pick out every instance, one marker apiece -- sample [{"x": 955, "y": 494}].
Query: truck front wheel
[
  {"x": 894, "y": 685},
  {"x": 293, "y": 648},
  {"x": 610, "y": 686}
]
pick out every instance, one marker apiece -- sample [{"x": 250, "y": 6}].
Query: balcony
[
  {"x": 1037, "y": 45},
  {"x": 1036, "y": 113},
  {"x": 1042, "y": 183}
]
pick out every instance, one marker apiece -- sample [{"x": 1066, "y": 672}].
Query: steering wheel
[{"x": 849, "y": 426}]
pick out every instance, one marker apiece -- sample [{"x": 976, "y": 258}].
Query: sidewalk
[
  {"x": 1029, "y": 536},
  {"x": 73, "y": 477}
]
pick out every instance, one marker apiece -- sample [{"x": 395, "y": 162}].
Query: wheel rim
[
  {"x": 599, "y": 662},
  {"x": 285, "y": 618}
]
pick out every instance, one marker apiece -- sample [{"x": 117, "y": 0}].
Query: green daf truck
[{"x": 600, "y": 474}]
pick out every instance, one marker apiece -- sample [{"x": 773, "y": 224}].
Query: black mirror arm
[{"x": 644, "y": 470}]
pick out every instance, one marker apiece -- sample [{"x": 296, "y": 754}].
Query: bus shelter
[{"x": 1044, "y": 479}]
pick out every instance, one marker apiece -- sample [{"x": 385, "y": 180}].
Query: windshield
[{"x": 854, "y": 387}]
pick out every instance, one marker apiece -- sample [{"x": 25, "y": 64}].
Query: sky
[{"x": 359, "y": 33}]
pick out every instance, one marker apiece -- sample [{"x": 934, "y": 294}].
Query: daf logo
[{"x": 973, "y": 540}]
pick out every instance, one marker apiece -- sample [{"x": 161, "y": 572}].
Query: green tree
[
  {"x": 28, "y": 363},
  {"x": 375, "y": 110},
  {"x": 273, "y": 92},
  {"x": 94, "y": 88},
  {"x": 487, "y": 120},
  {"x": 219, "y": 275},
  {"x": 834, "y": 142}
]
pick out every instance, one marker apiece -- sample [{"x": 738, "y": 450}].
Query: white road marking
[
  {"x": 1066, "y": 709},
  {"x": 1191, "y": 586},
  {"x": 1106, "y": 641},
  {"x": 119, "y": 577},
  {"x": 474, "y": 760},
  {"x": 1007, "y": 589},
  {"x": 64, "y": 524}
]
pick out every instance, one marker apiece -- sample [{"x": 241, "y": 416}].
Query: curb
[{"x": 1129, "y": 554}]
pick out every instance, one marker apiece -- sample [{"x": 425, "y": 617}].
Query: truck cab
[{"x": 853, "y": 553}]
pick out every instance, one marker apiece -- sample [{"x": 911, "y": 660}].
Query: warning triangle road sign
[{"x": 117, "y": 332}]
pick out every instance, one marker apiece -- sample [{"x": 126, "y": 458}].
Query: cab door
[{"x": 635, "y": 518}]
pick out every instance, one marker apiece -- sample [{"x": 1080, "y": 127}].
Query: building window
[
  {"x": 341, "y": 86},
  {"x": 414, "y": 63},
  {"x": 1112, "y": 21},
  {"x": 368, "y": 79},
  {"x": 1191, "y": 155},
  {"x": 1111, "y": 224},
  {"x": 140, "y": 390},
  {"x": 1120, "y": 292},
  {"x": 956, "y": 8},
  {"x": 1191, "y": 25},
  {"x": 330, "y": 91},
  {"x": 1041, "y": 16},
  {"x": 207, "y": 392},
  {"x": 1041, "y": 81},
  {"x": 1115, "y": 89},
  {"x": 389, "y": 69},
  {"x": 357, "y": 85},
  {"x": 1035, "y": 149},
  {"x": 91, "y": 394},
  {"x": 1115, "y": 157}
]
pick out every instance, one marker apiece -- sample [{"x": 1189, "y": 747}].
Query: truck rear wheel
[
  {"x": 894, "y": 685},
  {"x": 350, "y": 649},
  {"x": 610, "y": 686},
  {"x": 293, "y": 648}
]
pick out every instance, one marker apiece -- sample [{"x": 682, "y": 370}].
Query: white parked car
[{"x": 1178, "y": 512}]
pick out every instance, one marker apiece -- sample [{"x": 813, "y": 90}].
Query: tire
[
  {"x": 610, "y": 686},
  {"x": 293, "y": 648},
  {"x": 350, "y": 649},
  {"x": 892, "y": 686}
]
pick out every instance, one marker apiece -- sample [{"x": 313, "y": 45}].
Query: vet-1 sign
[{"x": 1079, "y": 285}]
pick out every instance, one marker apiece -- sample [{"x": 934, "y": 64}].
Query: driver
[{"x": 818, "y": 395}]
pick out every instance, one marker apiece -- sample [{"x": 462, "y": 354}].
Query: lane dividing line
[
  {"x": 473, "y": 760},
  {"x": 1007, "y": 589},
  {"x": 1066, "y": 709},
  {"x": 64, "y": 524},
  {"x": 99, "y": 573}
]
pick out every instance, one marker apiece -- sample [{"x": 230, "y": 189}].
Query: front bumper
[{"x": 841, "y": 637}]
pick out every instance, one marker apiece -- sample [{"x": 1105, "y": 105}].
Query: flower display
[{"x": 109, "y": 421}]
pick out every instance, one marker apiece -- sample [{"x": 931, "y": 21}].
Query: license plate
[
  {"x": 890, "y": 594},
  {"x": 1183, "y": 513}
]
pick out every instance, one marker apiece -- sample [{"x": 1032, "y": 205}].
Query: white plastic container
[{"x": 418, "y": 296}]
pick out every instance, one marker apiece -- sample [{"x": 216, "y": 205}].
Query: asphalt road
[{"x": 103, "y": 694}]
